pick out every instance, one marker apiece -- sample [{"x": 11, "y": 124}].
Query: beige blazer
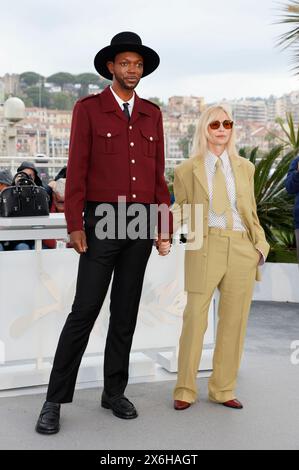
[{"x": 191, "y": 187}]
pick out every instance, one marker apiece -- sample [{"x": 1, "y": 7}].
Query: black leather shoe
[
  {"x": 120, "y": 406},
  {"x": 48, "y": 421}
]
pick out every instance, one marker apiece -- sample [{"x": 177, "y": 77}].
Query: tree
[
  {"x": 86, "y": 79},
  {"x": 274, "y": 204},
  {"x": 184, "y": 146},
  {"x": 291, "y": 139},
  {"x": 291, "y": 37},
  {"x": 186, "y": 142},
  {"x": 61, "y": 101},
  {"x": 61, "y": 79},
  {"x": 38, "y": 96},
  {"x": 30, "y": 78}
]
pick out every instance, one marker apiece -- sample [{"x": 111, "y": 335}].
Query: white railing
[{"x": 54, "y": 164}]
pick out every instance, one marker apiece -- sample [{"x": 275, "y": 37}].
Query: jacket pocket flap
[
  {"x": 108, "y": 132},
  {"x": 150, "y": 136}
]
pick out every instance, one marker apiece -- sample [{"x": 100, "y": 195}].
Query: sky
[{"x": 218, "y": 49}]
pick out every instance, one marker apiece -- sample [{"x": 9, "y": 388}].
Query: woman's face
[{"x": 221, "y": 135}]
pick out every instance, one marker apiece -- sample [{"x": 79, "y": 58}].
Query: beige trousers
[{"x": 232, "y": 261}]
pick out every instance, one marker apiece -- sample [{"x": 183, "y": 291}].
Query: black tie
[{"x": 126, "y": 110}]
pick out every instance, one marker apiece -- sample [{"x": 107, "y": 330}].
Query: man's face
[{"x": 127, "y": 69}]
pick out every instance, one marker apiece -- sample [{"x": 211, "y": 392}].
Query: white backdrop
[{"x": 37, "y": 290}]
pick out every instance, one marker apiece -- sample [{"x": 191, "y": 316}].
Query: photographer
[
  {"x": 27, "y": 169},
  {"x": 31, "y": 170}
]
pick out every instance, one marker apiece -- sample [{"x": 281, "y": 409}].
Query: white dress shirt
[
  {"x": 219, "y": 221},
  {"x": 121, "y": 101},
  {"x": 215, "y": 220}
]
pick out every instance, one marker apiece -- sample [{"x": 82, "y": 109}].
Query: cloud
[{"x": 195, "y": 38}]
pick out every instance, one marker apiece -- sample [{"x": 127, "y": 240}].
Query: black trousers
[{"x": 127, "y": 259}]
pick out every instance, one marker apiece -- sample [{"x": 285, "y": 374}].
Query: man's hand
[
  {"x": 163, "y": 245},
  {"x": 78, "y": 241}
]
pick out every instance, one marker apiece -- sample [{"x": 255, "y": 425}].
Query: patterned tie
[
  {"x": 221, "y": 203},
  {"x": 126, "y": 110}
]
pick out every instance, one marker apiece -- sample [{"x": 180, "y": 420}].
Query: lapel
[
  {"x": 200, "y": 173},
  {"x": 241, "y": 182},
  {"x": 236, "y": 164},
  {"x": 140, "y": 107},
  {"x": 110, "y": 105}
]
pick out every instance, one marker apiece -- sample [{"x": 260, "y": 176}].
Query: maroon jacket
[{"x": 110, "y": 156}]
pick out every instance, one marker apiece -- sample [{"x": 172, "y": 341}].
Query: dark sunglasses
[{"x": 227, "y": 124}]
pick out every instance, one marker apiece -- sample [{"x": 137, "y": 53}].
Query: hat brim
[{"x": 150, "y": 58}]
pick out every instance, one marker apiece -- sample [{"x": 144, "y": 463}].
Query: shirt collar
[
  {"x": 211, "y": 159},
  {"x": 121, "y": 101}
]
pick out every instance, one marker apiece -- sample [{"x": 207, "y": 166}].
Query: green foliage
[
  {"x": 184, "y": 146},
  {"x": 274, "y": 204},
  {"x": 63, "y": 101},
  {"x": 290, "y": 39},
  {"x": 169, "y": 176},
  {"x": 32, "y": 81},
  {"x": 61, "y": 79},
  {"x": 30, "y": 78},
  {"x": 291, "y": 138},
  {"x": 87, "y": 79},
  {"x": 38, "y": 96}
]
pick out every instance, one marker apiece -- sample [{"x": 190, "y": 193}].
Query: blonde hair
[{"x": 200, "y": 139}]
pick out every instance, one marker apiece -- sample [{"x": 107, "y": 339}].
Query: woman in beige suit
[{"x": 219, "y": 185}]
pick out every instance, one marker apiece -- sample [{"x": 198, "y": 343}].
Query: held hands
[
  {"x": 78, "y": 241},
  {"x": 163, "y": 245}
]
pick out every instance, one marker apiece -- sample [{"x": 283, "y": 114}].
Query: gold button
[
  {"x": 205, "y": 255},
  {"x": 108, "y": 135},
  {"x": 133, "y": 161},
  {"x": 151, "y": 138},
  {"x": 132, "y": 144},
  {"x": 134, "y": 179},
  {"x": 134, "y": 195},
  {"x": 130, "y": 127}
]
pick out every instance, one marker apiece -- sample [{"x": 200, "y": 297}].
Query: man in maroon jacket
[{"x": 116, "y": 149}]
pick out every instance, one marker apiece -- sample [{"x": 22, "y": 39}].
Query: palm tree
[
  {"x": 291, "y": 38},
  {"x": 291, "y": 135},
  {"x": 274, "y": 205}
]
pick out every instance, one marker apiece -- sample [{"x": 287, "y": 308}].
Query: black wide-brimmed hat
[{"x": 126, "y": 42}]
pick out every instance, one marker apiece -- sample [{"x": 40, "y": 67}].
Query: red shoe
[
  {"x": 233, "y": 404},
  {"x": 181, "y": 405}
]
